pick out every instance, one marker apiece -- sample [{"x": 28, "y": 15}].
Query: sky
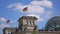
[{"x": 42, "y": 9}]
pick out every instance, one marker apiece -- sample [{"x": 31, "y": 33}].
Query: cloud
[
  {"x": 19, "y": 7},
  {"x": 44, "y": 3},
  {"x": 13, "y": 5},
  {"x": 2, "y": 19},
  {"x": 4, "y": 25},
  {"x": 34, "y": 7},
  {"x": 16, "y": 6},
  {"x": 37, "y": 16}
]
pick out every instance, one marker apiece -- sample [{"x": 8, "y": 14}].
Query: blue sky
[{"x": 42, "y": 9}]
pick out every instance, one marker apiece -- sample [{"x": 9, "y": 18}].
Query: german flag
[
  {"x": 8, "y": 21},
  {"x": 25, "y": 9}
]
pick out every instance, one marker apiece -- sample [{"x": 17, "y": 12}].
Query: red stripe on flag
[{"x": 25, "y": 9}]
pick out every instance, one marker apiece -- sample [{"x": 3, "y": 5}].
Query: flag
[
  {"x": 8, "y": 21},
  {"x": 25, "y": 9}
]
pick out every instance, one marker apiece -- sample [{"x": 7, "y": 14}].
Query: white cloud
[
  {"x": 37, "y": 16},
  {"x": 16, "y": 6},
  {"x": 44, "y": 3},
  {"x": 35, "y": 10},
  {"x": 35, "y": 3},
  {"x": 19, "y": 7},
  {"x": 2, "y": 19},
  {"x": 13, "y": 5},
  {"x": 34, "y": 7},
  {"x": 4, "y": 25}
]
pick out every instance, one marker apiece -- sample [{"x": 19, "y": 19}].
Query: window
[
  {"x": 25, "y": 21},
  {"x": 9, "y": 32},
  {"x": 57, "y": 26},
  {"x": 34, "y": 22},
  {"x": 29, "y": 22}
]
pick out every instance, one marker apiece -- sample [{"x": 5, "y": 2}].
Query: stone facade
[
  {"x": 27, "y": 25},
  {"x": 27, "y": 22},
  {"x": 9, "y": 30}
]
